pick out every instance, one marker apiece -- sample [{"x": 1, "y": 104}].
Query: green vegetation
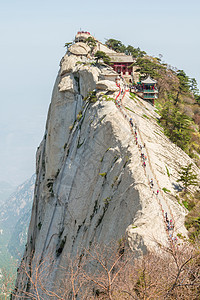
[
  {"x": 134, "y": 226},
  {"x": 102, "y": 55},
  {"x": 126, "y": 161},
  {"x": 168, "y": 174},
  {"x": 117, "y": 46},
  {"x": 177, "y": 126},
  {"x": 135, "y": 52},
  {"x": 166, "y": 190},
  {"x": 185, "y": 203},
  {"x": 107, "y": 200},
  {"x": 180, "y": 236},
  {"x": 91, "y": 97},
  {"x": 179, "y": 98},
  {"x": 103, "y": 174},
  {"x": 192, "y": 220},
  {"x": 149, "y": 66},
  {"x": 129, "y": 109},
  {"x": 79, "y": 116},
  {"x": 67, "y": 45},
  {"x": 190, "y": 201},
  {"x": 132, "y": 96},
  {"x": 187, "y": 177},
  {"x": 178, "y": 105},
  {"x": 145, "y": 116},
  {"x": 107, "y": 98},
  {"x": 90, "y": 41}
]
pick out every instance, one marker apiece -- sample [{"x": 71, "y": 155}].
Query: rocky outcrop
[
  {"x": 107, "y": 85},
  {"x": 91, "y": 185},
  {"x": 79, "y": 48},
  {"x": 66, "y": 84}
]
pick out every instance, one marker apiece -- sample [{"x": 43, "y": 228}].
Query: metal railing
[
  {"x": 149, "y": 96},
  {"x": 150, "y": 91}
]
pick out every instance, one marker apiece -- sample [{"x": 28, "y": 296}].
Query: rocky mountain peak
[{"x": 92, "y": 184}]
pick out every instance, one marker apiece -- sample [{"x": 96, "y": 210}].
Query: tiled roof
[
  {"x": 148, "y": 80},
  {"x": 121, "y": 57}
]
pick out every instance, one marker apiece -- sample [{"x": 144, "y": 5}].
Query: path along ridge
[{"x": 156, "y": 190}]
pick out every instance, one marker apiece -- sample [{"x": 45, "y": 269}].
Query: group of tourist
[{"x": 169, "y": 223}]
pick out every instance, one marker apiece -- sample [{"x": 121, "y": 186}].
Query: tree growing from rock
[
  {"x": 177, "y": 126},
  {"x": 90, "y": 41},
  {"x": 184, "y": 86},
  {"x": 102, "y": 55},
  {"x": 135, "y": 52},
  {"x": 193, "y": 86},
  {"x": 116, "y": 45},
  {"x": 187, "y": 177},
  {"x": 67, "y": 45},
  {"x": 148, "y": 66}
]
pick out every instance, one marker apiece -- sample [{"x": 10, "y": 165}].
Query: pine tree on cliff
[
  {"x": 102, "y": 55},
  {"x": 187, "y": 177}
]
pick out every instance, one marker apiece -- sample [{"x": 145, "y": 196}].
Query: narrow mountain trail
[{"x": 154, "y": 186}]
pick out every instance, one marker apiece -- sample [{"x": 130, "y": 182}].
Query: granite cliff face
[{"x": 91, "y": 185}]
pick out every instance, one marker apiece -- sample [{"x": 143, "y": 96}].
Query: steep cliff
[{"x": 91, "y": 185}]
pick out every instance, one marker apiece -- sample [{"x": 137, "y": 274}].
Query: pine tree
[
  {"x": 90, "y": 41},
  {"x": 102, "y": 55},
  {"x": 135, "y": 52},
  {"x": 67, "y": 45},
  {"x": 194, "y": 86},
  {"x": 177, "y": 126},
  {"x": 183, "y": 85},
  {"x": 187, "y": 177},
  {"x": 116, "y": 45}
]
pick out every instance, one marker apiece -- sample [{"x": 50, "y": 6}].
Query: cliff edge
[{"x": 91, "y": 184}]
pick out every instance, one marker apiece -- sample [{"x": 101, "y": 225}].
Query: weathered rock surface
[
  {"x": 66, "y": 84},
  {"x": 79, "y": 48},
  {"x": 107, "y": 85},
  {"x": 91, "y": 185},
  {"x": 67, "y": 64}
]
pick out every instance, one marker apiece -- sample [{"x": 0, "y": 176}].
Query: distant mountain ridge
[
  {"x": 15, "y": 215},
  {"x": 18, "y": 203},
  {"x": 6, "y": 189}
]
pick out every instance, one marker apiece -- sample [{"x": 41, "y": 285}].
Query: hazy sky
[{"x": 32, "y": 35}]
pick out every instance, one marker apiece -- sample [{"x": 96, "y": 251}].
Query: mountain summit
[{"x": 105, "y": 171}]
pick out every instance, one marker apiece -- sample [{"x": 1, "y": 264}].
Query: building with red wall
[{"x": 123, "y": 65}]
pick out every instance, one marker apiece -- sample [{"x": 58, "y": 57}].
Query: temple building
[
  {"x": 148, "y": 89},
  {"x": 123, "y": 65},
  {"x": 81, "y": 36}
]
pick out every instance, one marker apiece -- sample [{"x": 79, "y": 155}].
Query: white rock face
[
  {"x": 107, "y": 85},
  {"x": 68, "y": 63},
  {"x": 88, "y": 77},
  {"x": 79, "y": 48},
  {"x": 66, "y": 84},
  {"x": 91, "y": 185}
]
